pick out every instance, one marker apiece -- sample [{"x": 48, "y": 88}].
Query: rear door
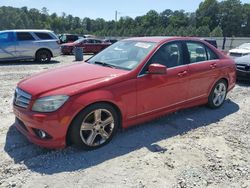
[
  {"x": 7, "y": 45},
  {"x": 27, "y": 46},
  {"x": 203, "y": 67}
]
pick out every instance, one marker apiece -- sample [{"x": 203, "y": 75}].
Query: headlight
[{"x": 50, "y": 103}]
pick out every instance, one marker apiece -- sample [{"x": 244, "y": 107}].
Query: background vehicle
[
  {"x": 66, "y": 38},
  {"x": 242, "y": 50},
  {"x": 89, "y": 45},
  {"x": 130, "y": 82},
  {"x": 243, "y": 67},
  {"x": 40, "y": 45},
  {"x": 112, "y": 41}
]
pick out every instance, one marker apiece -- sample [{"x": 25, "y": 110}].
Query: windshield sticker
[{"x": 142, "y": 45}]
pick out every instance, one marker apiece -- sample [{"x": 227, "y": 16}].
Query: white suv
[{"x": 40, "y": 45}]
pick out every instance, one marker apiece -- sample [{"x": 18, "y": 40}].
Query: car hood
[
  {"x": 243, "y": 60},
  {"x": 240, "y": 50},
  {"x": 69, "y": 79}
]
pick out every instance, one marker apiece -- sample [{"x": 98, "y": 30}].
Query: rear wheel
[
  {"x": 43, "y": 56},
  {"x": 94, "y": 127},
  {"x": 218, "y": 94}
]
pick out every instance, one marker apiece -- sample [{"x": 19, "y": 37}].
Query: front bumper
[
  {"x": 56, "y": 52},
  {"x": 243, "y": 75},
  {"x": 29, "y": 122}
]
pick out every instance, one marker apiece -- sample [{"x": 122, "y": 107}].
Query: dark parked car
[
  {"x": 243, "y": 67},
  {"x": 89, "y": 45}
]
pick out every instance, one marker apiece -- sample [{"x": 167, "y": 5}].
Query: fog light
[{"x": 41, "y": 134}]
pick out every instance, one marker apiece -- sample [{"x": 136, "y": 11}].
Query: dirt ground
[{"x": 197, "y": 147}]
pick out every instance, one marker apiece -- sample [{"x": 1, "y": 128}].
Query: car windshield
[
  {"x": 245, "y": 46},
  {"x": 125, "y": 54}
]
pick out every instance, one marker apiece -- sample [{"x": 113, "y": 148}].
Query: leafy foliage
[{"x": 212, "y": 18}]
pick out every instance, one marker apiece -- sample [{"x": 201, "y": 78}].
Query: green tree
[
  {"x": 207, "y": 14},
  {"x": 231, "y": 17},
  {"x": 217, "y": 32}
]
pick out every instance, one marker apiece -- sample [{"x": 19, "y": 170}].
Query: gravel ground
[{"x": 197, "y": 147}]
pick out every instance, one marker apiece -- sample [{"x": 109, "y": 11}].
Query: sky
[{"x": 106, "y": 8}]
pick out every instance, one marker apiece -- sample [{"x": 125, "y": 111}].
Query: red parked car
[
  {"x": 89, "y": 45},
  {"x": 130, "y": 82}
]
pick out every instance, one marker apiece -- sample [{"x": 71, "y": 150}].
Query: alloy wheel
[
  {"x": 97, "y": 127},
  {"x": 219, "y": 94}
]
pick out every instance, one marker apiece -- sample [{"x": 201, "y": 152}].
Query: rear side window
[
  {"x": 44, "y": 36},
  {"x": 24, "y": 36},
  {"x": 199, "y": 52},
  {"x": 211, "y": 55},
  {"x": 97, "y": 41}
]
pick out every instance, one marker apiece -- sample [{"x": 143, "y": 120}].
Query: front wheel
[
  {"x": 218, "y": 94},
  {"x": 43, "y": 56},
  {"x": 94, "y": 127}
]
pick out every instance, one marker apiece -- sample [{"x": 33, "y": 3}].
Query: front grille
[
  {"x": 235, "y": 54},
  {"x": 243, "y": 67},
  {"x": 22, "y": 98}
]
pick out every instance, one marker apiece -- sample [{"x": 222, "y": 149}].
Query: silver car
[{"x": 40, "y": 45}]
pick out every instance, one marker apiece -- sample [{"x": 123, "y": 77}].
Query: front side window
[
  {"x": 7, "y": 37},
  {"x": 169, "y": 55},
  {"x": 24, "y": 36},
  {"x": 125, "y": 54}
]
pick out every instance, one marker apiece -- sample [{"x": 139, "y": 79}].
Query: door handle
[
  {"x": 181, "y": 74},
  {"x": 213, "y": 66}
]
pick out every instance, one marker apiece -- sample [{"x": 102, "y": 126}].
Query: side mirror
[{"x": 157, "y": 69}]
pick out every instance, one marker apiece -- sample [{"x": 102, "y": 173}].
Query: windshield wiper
[{"x": 104, "y": 64}]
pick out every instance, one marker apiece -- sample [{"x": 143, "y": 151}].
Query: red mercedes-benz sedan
[
  {"x": 89, "y": 45},
  {"x": 131, "y": 81}
]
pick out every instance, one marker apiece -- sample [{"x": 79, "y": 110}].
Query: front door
[
  {"x": 7, "y": 46},
  {"x": 162, "y": 92}
]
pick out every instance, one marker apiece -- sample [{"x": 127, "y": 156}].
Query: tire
[
  {"x": 43, "y": 56},
  {"x": 94, "y": 127},
  {"x": 218, "y": 94}
]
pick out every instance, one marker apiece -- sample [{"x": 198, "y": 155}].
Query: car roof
[
  {"x": 162, "y": 39},
  {"x": 27, "y": 30}
]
